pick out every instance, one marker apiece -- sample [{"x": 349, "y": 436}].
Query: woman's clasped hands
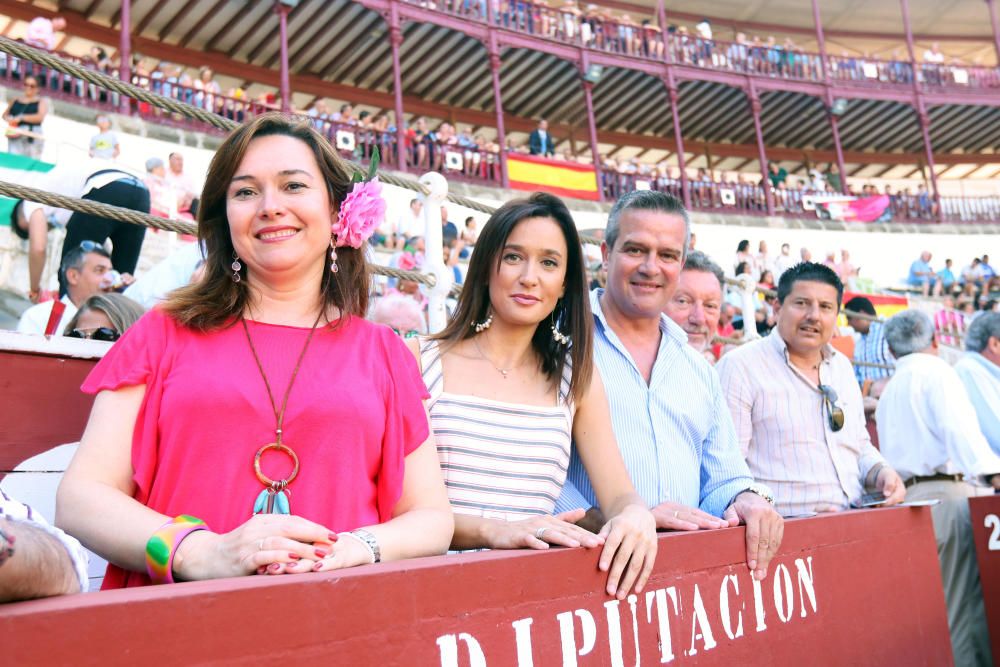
[{"x": 267, "y": 544}]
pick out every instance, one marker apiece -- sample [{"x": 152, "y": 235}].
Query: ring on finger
[
  {"x": 763, "y": 544},
  {"x": 541, "y": 531}
]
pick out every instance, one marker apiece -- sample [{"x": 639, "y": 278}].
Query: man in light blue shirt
[
  {"x": 980, "y": 373},
  {"x": 667, "y": 409},
  {"x": 921, "y": 273}
]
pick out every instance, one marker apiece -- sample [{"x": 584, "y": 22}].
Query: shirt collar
[
  {"x": 668, "y": 328},
  {"x": 781, "y": 347},
  {"x": 990, "y": 367}
]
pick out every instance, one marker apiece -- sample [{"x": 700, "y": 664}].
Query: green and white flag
[{"x": 22, "y": 171}]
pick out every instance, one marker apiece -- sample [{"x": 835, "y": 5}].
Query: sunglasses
[
  {"x": 835, "y": 413},
  {"x": 412, "y": 333},
  {"x": 101, "y": 333},
  {"x": 90, "y": 246}
]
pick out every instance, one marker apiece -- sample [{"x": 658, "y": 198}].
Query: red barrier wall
[
  {"x": 42, "y": 405},
  {"x": 859, "y": 588},
  {"x": 985, "y": 514}
]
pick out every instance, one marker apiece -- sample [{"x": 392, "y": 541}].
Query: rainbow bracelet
[{"x": 162, "y": 546}]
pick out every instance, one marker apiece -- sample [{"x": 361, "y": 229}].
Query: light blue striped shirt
[
  {"x": 981, "y": 378},
  {"x": 872, "y": 348},
  {"x": 675, "y": 434}
]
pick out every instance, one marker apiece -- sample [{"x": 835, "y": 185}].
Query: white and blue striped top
[
  {"x": 500, "y": 460},
  {"x": 675, "y": 434}
]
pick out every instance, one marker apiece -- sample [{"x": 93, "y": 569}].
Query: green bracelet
[{"x": 162, "y": 546}]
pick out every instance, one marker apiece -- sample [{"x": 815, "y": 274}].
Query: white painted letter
[
  {"x": 522, "y": 633},
  {"x": 614, "y": 633},
  {"x": 589, "y": 629},
  {"x": 807, "y": 579},
  {"x": 758, "y": 605},
  {"x": 632, "y": 599},
  {"x": 727, "y": 621},
  {"x": 700, "y": 618},
  {"x": 448, "y": 644},
  {"x": 782, "y": 579},
  {"x": 663, "y": 618}
]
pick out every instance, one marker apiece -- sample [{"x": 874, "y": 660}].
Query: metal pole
[
  {"x": 673, "y": 93},
  {"x": 588, "y": 100},
  {"x": 285, "y": 85},
  {"x": 820, "y": 39},
  {"x": 755, "y": 108},
  {"x": 125, "y": 49},
  {"x": 396, "y": 41},
  {"x": 919, "y": 107},
  {"x": 494, "y": 52},
  {"x": 834, "y": 129},
  {"x": 837, "y": 147},
  {"x": 996, "y": 27}
]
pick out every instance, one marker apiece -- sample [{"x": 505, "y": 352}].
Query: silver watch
[
  {"x": 761, "y": 491},
  {"x": 370, "y": 541}
]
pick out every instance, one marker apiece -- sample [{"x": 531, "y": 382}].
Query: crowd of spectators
[
  {"x": 730, "y": 462},
  {"x": 463, "y": 154},
  {"x": 600, "y": 27}
]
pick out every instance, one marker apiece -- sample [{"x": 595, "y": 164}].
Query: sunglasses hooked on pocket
[{"x": 834, "y": 412}]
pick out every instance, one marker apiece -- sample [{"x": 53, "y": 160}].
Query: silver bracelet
[{"x": 367, "y": 540}]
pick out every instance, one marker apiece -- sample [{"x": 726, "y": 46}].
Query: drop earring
[
  {"x": 480, "y": 327},
  {"x": 333, "y": 256},
  {"x": 558, "y": 336},
  {"x": 236, "y": 266}
]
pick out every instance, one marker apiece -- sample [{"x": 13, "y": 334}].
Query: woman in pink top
[{"x": 258, "y": 399}]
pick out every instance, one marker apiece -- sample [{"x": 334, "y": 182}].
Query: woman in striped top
[{"x": 512, "y": 384}]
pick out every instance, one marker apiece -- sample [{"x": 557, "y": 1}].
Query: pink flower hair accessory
[{"x": 362, "y": 210}]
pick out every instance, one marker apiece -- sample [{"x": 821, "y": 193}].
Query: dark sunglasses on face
[
  {"x": 835, "y": 413},
  {"x": 412, "y": 333},
  {"x": 101, "y": 333}
]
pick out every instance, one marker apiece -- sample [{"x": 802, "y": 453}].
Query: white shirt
[
  {"x": 75, "y": 178},
  {"x": 409, "y": 225},
  {"x": 173, "y": 272},
  {"x": 926, "y": 422},
  {"x": 782, "y": 264},
  {"x": 21, "y": 512},
  {"x": 34, "y": 319},
  {"x": 41, "y": 34}
]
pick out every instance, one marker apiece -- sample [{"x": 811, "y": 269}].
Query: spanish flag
[
  {"x": 564, "y": 179},
  {"x": 886, "y": 305}
]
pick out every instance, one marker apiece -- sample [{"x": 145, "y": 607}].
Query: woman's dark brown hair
[
  {"x": 216, "y": 300},
  {"x": 572, "y": 312}
]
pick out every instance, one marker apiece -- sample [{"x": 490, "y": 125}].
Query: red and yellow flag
[{"x": 564, "y": 179}]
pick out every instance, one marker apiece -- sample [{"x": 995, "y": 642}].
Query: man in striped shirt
[
  {"x": 667, "y": 409},
  {"x": 797, "y": 405},
  {"x": 870, "y": 347}
]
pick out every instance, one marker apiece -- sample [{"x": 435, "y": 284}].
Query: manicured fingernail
[
  {"x": 332, "y": 537},
  {"x": 317, "y": 566},
  {"x": 273, "y": 567},
  {"x": 261, "y": 570},
  {"x": 294, "y": 556},
  {"x": 322, "y": 553}
]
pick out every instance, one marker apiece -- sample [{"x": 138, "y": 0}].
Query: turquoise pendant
[
  {"x": 260, "y": 505},
  {"x": 281, "y": 503}
]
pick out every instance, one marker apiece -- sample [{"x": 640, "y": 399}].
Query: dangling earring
[
  {"x": 557, "y": 335},
  {"x": 236, "y": 267},
  {"x": 480, "y": 327},
  {"x": 333, "y": 256}
]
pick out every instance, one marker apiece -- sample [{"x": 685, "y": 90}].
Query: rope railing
[{"x": 127, "y": 89}]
